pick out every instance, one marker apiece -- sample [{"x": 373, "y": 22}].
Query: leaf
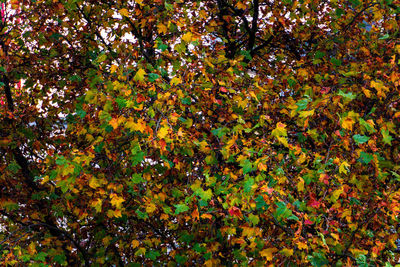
[
  {"x": 139, "y": 76},
  {"x": 336, "y": 62},
  {"x": 161, "y": 28},
  {"x": 384, "y": 37},
  {"x": 246, "y": 166},
  {"x": 254, "y": 219},
  {"x": 387, "y": 139},
  {"x": 94, "y": 183},
  {"x": 279, "y": 130},
  {"x": 179, "y": 208},
  {"x": 116, "y": 200},
  {"x": 113, "y": 68},
  {"x": 365, "y": 157},
  {"x": 268, "y": 253},
  {"x": 347, "y": 96},
  {"x": 162, "y": 132},
  {"x": 302, "y": 104},
  {"x": 318, "y": 260},
  {"x": 248, "y": 185},
  {"x": 305, "y": 114},
  {"x": 175, "y": 81},
  {"x": 124, "y": 12},
  {"x": 348, "y": 123},
  {"x": 344, "y": 167},
  {"x": 135, "y": 243},
  {"x": 360, "y": 139}
]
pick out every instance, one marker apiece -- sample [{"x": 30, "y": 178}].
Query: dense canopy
[{"x": 215, "y": 132}]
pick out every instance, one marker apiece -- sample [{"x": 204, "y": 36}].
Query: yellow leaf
[
  {"x": 366, "y": 92},
  {"x": 268, "y": 253},
  {"x": 283, "y": 140},
  {"x": 305, "y": 114},
  {"x": 348, "y": 123},
  {"x": 113, "y": 68},
  {"x": 140, "y": 2},
  {"x": 135, "y": 243},
  {"x": 302, "y": 72},
  {"x": 150, "y": 208},
  {"x": 206, "y": 216},
  {"x": 240, "y": 5},
  {"x": 344, "y": 167},
  {"x": 380, "y": 88},
  {"x": 124, "y": 12},
  {"x": 301, "y": 245},
  {"x": 117, "y": 213},
  {"x": 140, "y": 251},
  {"x": 187, "y": 37},
  {"x": 94, "y": 183},
  {"x": 279, "y": 130},
  {"x": 116, "y": 200},
  {"x": 96, "y": 204},
  {"x": 336, "y": 194},
  {"x": 106, "y": 240},
  {"x": 162, "y": 133},
  {"x": 248, "y": 231},
  {"x": 175, "y": 81},
  {"x": 287, "y": 252},
  {"x": 161, "y": 28},
  {"x": 114, "y": 123},
  {"x": 139, "y": 76},
  {"x": 300, "y": 185}
]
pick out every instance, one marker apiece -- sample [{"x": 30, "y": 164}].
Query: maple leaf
[
  {"x": 344, "y": 167},
  {"x": 235, "y": 211},
  {"x": 124, "y": 12},
  {"x": 347, "y": 123},
  {"x": 162, "y": 132},
  {"x": 162, "y": 28},
  {"x": 116, "y": 200},
  {"x": 268, "y": 253},
  {"x": 187, "y": 37},
  {"x": 139, "y": 76}
]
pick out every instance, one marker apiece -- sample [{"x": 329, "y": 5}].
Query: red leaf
[{"x": 234, "y": 211}]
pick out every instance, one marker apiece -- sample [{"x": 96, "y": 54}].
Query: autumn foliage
[{"x": 213, "y": 132}]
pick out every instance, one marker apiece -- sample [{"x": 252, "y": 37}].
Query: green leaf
[
  {"x": 153, "y": 77},
  {"x": 101, "y": 58},
  {"x": 186, "y": 101},
  {"x": 386, "y": 36},
  {"x": 347, "y": 96},
  {"x": 13, "y": 167},
  {"x": 319, "y": 54},
  {"x": 302, "y": 104},
  {"x": 179, "y": 208},
  {"x": 248, "y": 185},
  {"x": 254, "y": 219},
  {"x": 246, "y": 166},
  {"x": 152, "y": 254},
  {"x": 387, "y": 139},
  {"x": 360, "y": 139},
  {"x": 261, "y": 204},
  {"x": 318, "y": 260},
  {"x": 282, "y": 211},
  {"x": 41, "y": 256},
  {"x": 137, "y": 178},
  {"x": 336, "y": 62},
  {"x": 365, "y": 157},
  {"x": 205, "y": 195},
  {"x": 61, "y": 160},
  {"x": 366, "y": 126}
]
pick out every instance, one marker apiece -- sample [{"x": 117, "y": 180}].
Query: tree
[{"x": 214, "y": 132}]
